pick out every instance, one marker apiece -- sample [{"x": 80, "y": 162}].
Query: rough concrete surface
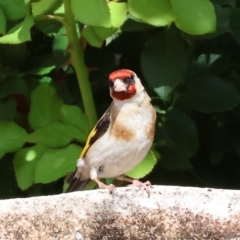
[{"x": 169, "y": 213}]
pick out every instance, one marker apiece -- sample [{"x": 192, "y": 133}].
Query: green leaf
[
  {"x": 75, "y": 116},
  {"x": 60, "y": 45},
  {"x": 45, "y": 79},
  {"x": 48, "y": 26},
  {"x": 42, "y": 65},
  {"x": 8, "y": 185},
  {"x": 14, "y": 9},
  {"x": 164, "y": 52},
  {"x": 92, "y": 38},
  {"x": 231, "y": 3},
  {"x": 12, "y": 137},
  {"x": 8, "y": 72},
  {"x": 45, "y": 106},
  {"x": 222, "y": 16},
  {"x": 154, "y": 12},
  {"x": 219, "y": 65},
  {"x": 208, "y": 93},
  {"x": 113, "y": 36},
  {"x": 109, "y": 181},
  {"x": 97, "y": 35},
  {"x": 195, "y": 17},
  {"x": 144, "y": 167},
  {"x": 12, "y": 85},
  {"x": 42, "y": 70},
  {"x": 179, "y": 140},
  {"x": 104, "y": 33},
  {"x": 56, "y": 135},
  {"x": 234, "y": 24},
  {"x": 222, "y": 25},
  {"x": 24, "y": 163},
  {"x": 60, "y": 42},
  {"x": 118, "y": 11},
  {"x": 92, "y": 12},
  {"x": 19, "y": 33},
  {"x": 42, "y": 7},
  {"x": 57, "y": 163},
  {"x": 132, "y": 24},
  {"x": 2, "y": 22},
  {"x": 7, "y": 109},
  {"x": 60, "y": 11}
]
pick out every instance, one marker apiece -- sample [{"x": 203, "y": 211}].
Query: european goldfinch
[{"x": 121, "y": 138}]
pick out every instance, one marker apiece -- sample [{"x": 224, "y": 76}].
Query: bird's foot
[
  {"x": 145, "y": 185},
  {"x": 110, "y": 187}
]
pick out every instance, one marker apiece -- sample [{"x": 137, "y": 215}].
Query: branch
[
  {"x": 77, "y": 57},
  {"x": 169, "y": 213}
]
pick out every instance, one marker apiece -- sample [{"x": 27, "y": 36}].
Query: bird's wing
[
  {"x": 98, "y": 131},
  {"x": 100, "y": 128}
]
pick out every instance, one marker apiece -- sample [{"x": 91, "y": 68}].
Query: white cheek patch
[{"x": 119, "y": 86}]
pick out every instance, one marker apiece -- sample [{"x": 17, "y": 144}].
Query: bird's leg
[
  {"x": 146, "y": 185},
  {"x": 101, "y": 185}
]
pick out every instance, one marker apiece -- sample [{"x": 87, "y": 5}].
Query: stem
[{"x": 79, "y": 65}]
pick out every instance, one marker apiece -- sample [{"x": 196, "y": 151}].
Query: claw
[
  {"x": 145, "y": 185},
  {"x": 110, "y": 187}
]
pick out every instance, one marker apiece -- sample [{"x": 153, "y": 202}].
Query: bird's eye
[
  {"x": 110, "y": 83},
  {"x": 129, "y": 80}
]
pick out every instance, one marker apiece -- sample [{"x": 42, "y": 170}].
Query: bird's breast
[
  {"x": 133, "y": 122},
  {"x": 122, "y": 131}
]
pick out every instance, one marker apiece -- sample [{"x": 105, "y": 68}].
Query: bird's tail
[{"x": 74, "y": 183}]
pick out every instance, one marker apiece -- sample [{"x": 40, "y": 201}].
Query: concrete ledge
[{"x": 169, "y": 213}]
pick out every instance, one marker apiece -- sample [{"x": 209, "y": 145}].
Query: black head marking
[
  {"x": 110, "y": 84},
  {"x": 129, "y": 80}
]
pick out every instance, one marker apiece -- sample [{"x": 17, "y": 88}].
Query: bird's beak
[{"x": 119, "y": 86}]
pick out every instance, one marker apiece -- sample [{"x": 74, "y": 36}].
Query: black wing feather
[{"x": 100, "y": 128}]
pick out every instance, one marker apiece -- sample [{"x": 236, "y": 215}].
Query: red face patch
[
  {"x": 125, "y": 75},
  {"x": 124, "y": 95},
  {"x": 121, "y": 74}
]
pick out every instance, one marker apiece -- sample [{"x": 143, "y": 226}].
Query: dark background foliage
[{"x": 190, "y": 66}]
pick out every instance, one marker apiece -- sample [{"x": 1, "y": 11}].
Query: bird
[{"x": 121, "y": 138}]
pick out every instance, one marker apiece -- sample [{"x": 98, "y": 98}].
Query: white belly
[{"x": 119, "y": 157}]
